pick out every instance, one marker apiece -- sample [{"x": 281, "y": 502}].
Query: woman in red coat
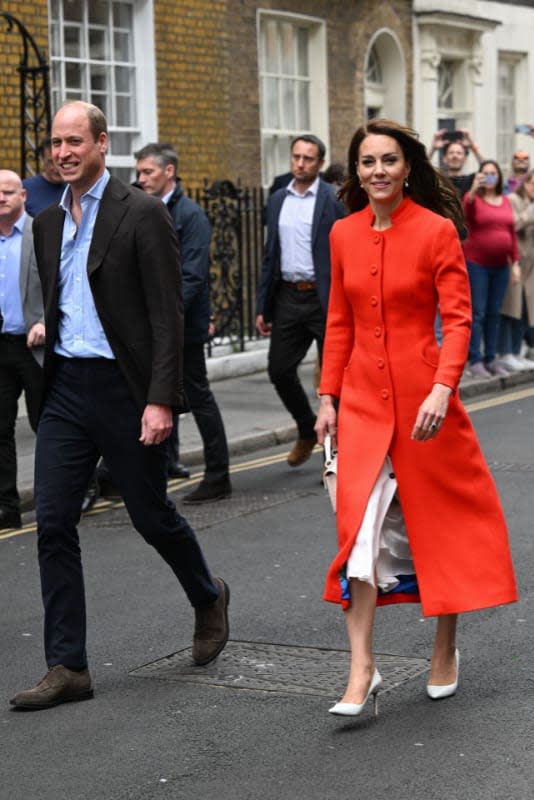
[{"x": 418, "y": 514}]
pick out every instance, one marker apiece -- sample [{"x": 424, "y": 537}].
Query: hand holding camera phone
[
  {"x": 523, "y": 128},
  {"x": 453, "y": 136}
]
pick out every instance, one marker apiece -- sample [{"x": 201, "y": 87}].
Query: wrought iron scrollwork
[
  {"x": 236, "y": 217},
  {"x": 35, "y": 116},
  {"x": 222, "y": 201}
]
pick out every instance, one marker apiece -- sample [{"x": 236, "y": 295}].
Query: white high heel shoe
[
  {"x": 353, "y": 709},
  {"x": 440, "y": 692}
]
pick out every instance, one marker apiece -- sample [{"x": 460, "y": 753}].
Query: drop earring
[{"x": 406, "y": 183}]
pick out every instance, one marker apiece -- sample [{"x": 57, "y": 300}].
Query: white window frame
[
  {"x": 143, "y": 126},
  {"x": 385, "y": 91},
  {"x": 459, "y": 109},
  {"x": 510, "y": 110},
  {"x": 317, "y": 76}
]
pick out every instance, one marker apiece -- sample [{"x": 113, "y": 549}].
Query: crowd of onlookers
[
  {"x": 498, "y": 244},
  {"x": 498, "y": 241}
]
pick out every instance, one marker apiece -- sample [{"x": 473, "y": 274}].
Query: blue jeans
[
  {"x": 488, "y": 287},
  {"x": 511, "y": 332}
]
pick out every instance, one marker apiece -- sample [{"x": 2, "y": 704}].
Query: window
[
  {"x": 374, "y": 86},
  {"x": 506, "y": 108},
  {"x": 446, "y": 85},
  {"x": 453, "y": 106},
  {"x": 93, "y": 58},
  {"x": 385, "y": 77},
  {"x": 373, "y": 72},
  {"x": 292, "y": 87}
]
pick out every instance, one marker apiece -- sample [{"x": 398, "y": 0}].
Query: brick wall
[
  {"x": 34, "y": 17},
  {"x": 192, "y": 63},
  {"x": 207, "y": 75},
  {"x": 350, "y": 25}
]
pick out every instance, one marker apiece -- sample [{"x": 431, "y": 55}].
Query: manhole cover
[{"x": 278, "y": 668}]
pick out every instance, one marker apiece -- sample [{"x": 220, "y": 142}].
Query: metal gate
[{"x": 35, "y": 117}]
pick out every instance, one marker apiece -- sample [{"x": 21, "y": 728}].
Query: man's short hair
[
  {"x": 97, "y": 121},
  {"x": 95, "y": 117},
  {"x": 311, "y": 139},
  {"x": 46, "y": 144},
  {"x": 445, "y": 148},
  {"x": 163, "y": 154}
]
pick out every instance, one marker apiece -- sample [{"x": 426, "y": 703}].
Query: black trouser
[
  {"x": 206, "y": 415},
  {"x": 298, "y": 319},
  {"x": 19, "y": 371},
  {"x": 88, "y": 411}
]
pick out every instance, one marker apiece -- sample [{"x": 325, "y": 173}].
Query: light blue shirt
[
  {"x": 10, "y": 299},
  {"x": 80, "y": 332},
  {"x": 295, "y": 231}
]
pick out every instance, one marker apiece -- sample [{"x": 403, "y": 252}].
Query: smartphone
[
  {"x": 522, "y": 128},
  {"x": 453, "y": 136}
]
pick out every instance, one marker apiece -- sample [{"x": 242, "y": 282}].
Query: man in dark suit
[
  {"x": 157, "y": 166},
  {"x": 22, "y": 335},
  {"x": 295, "y": 281},
  {"x": 109, "y": 266}
]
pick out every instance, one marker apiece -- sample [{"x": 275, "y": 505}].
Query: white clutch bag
[{"x": 330, "y": 470}]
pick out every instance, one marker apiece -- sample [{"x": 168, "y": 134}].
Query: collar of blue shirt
[
  {"x": 96, "y": 191},
  {"x": 313, "y": 188}
]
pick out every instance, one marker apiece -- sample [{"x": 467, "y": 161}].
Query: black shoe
[
  {"x": 92, "y": 493},
  {"x": 208, "y": 492},
  {"x": 9, "y": 519},
  {"x": 177, "y": 470}
]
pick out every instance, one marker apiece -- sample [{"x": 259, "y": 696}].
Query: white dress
[{"x": 381, "y": 552}]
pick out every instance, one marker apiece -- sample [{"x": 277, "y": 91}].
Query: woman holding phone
[{"x": 492, "y": 255}]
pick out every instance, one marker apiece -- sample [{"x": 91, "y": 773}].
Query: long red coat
[{"x": 381, "y": 359}]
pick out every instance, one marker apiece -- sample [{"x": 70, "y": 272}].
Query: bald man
[{"x": 22, "y": 335}]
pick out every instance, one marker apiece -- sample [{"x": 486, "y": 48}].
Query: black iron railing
[
  {"x": 34, "y": 90},
  {"x": 236, "y": 217}
]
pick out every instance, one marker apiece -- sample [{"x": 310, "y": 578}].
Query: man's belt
[{"x": 301, "y": 286}]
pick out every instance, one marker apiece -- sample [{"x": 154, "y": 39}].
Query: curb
[{"x": 249, "y": 443}]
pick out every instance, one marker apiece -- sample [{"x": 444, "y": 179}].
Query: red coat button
[
  {"x": 378, "y": 332},
  {"x": 380, "y": 363},
  {"x": 374, "y": 301},
  {"x": 376, "y": 239},
  {"x": 385, "y": 394},
  {"x": 374, "y": 269}
]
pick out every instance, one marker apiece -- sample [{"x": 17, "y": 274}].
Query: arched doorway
[{"x": 385, "y": 77}]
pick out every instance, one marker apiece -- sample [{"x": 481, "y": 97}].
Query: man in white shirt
[{"x": 295, "y": 281}]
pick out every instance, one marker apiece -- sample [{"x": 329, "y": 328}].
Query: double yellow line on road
[{"x": 258, "y": 463}]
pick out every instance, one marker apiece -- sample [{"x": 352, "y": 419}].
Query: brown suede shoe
[
  {"x": 211, "y": 627},
  {"x": 302, "y": 450},
  {"x": 59, "y": 685}
]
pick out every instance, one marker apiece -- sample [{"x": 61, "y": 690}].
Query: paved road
[{"x": 255, "y": 724}]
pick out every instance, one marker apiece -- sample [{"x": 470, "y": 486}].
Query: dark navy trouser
[{"x": 88, "y": 412}]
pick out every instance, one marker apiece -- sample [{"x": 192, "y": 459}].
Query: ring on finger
[{"x": 433, "y": 426}]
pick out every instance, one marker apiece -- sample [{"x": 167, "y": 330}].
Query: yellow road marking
[
  {"x": 500, "y": 400},
  {"x": 266, "y": 461}
]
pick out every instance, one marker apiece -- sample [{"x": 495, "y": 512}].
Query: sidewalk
[{"x": 253, "y": 414}]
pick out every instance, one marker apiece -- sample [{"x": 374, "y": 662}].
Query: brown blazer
[
  {"x": 524, "y": 224},
  {"x": 135, "y": 277}
]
